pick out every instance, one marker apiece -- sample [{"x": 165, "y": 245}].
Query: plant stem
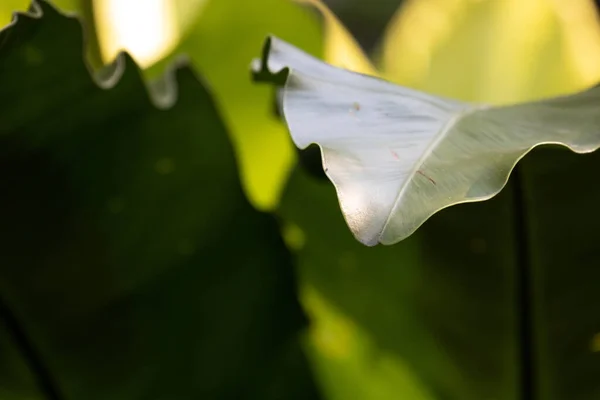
[{"x": 524, "y": 289}]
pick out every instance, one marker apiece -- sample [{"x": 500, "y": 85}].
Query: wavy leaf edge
[
  {"x": 309, "y": 83},
  {"x": 162, "y": 92}
]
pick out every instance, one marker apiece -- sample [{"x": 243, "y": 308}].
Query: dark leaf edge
[
  {"x": 162, "y": 92},
  {"x": 261, "y": 72}
]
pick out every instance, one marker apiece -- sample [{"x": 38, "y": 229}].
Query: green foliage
[
  {"x": 9, "y": 7},
  {"x": 560, "y": 210},
  {"x": 220, "y": 42},
  {"x": 132, "y": 266},
  {"x": 433, "y": 317},
  {"x": 494, "y": 52},
  {"x": 397, "y": 156},
  {"x": 123, "y": 273}
]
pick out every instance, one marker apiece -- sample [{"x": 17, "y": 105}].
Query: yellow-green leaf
[
  {"x": 221, "y": 42},
  {"x": 221, "y": 38},
  {"x": 341, "y": 49},
  {"x": 8, "y": 7},
  {"x": 494, "y": 51}
]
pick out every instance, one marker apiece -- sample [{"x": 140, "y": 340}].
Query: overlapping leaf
[
  {"x": 396, "y": 156},
  {"x": 493, "y": 51},
  {"x": 561, "y": 218},
  {"x": 9, "y": 7},
  {"x": 220, "y": 43},
  {"x": 131, "y": 264},
  {"x": 220, "y": 38},
  {"x": 433, "y": 317},
  {"x": 513, "y": 279}
]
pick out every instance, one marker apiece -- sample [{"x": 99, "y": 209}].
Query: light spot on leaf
[
  {"x": 293, "y": 236},
  {"x": 146, "y": 36},
  {"x": 595, "y": 343},
  {"x": 332, "y": 333}
]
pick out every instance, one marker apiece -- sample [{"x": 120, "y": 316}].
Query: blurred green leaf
[
  {"x": 560, "y": 210},
  {"x": 17, "y": 381},
  {"x": 486, "y": 301},
  {"x": 131, "y": 264},
  {"x": 340, "y": 47},
  {"x": 8, "y": 7},
  {"x": 220, "y": 37},
  {"x": 221, "y": 43},
  {"x": 433, "y": 317},
  {"x": 497, "y": 51}
]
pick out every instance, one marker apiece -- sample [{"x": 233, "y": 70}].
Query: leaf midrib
[{"x": 438, "y": 139}]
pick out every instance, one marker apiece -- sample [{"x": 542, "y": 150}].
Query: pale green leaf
[
  {"x": 220, "y": 42},
  {"x": 497, "y": 51},
  {"x": 397, "y": 156},
  {"x": 220, "y": 37}
]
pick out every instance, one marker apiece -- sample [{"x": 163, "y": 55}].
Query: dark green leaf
[
  {"x": 562, "y": 219},
  {"x": 221, "y": 43},
  {"x": 433, "y": 317},
  {"x": 131, "y": 264}
]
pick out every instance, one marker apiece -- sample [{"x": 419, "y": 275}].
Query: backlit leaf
[
  {"x": 495, "y": 51},
  {"x": 396, "y": 156}
]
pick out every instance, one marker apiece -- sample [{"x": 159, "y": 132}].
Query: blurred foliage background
[{"x": 183, "y": 252}]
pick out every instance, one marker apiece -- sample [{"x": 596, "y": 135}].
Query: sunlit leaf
[
  {"x": 341, "y": 49},
  {"x": 221, "y": 41},
  {"x": 8, "y": 7},
  {"x": 497, "y": 51},
  {"x": 146, "y": 28},
  {"x": 396, "y": 156}
]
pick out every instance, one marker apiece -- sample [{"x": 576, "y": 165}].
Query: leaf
[
  {"x": 561, "y": 234},
  {"x": 341, "y": 49},
  {"x": 508, "y": 295},
  {"x": 145, "y": 35},
  {"x": 8, "y": 7},
  {"x": 220, "y": 43},
  {"x": 496, "y": 52},
  {"x": 131, "y": 264},
  {"x": 220, "y": 38},
  {"x": 442, "y": 315},
  {"x": 17, "y": 381},
  {"x": 397, "y": 156},
  {"x": 433, "y": 317}
]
